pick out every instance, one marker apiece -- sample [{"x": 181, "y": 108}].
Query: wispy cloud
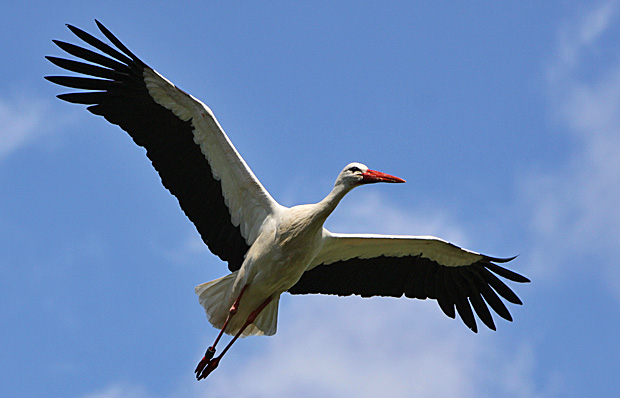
[
  {"x": 120, "y": 390},
  {"x": 581, "y": 36},
  {"x": 369, "y": 348},
  {"x": 23, "y": 121},
  {"x": 188, "y": 249},
  {"x": 575, "y": 207},
  {"x": 387, "y": 217}
]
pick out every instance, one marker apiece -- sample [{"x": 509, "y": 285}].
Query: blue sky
[{"x": 502, "y": 117}]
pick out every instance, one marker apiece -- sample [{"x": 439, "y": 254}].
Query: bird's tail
[{"x": 215, "y": 297}]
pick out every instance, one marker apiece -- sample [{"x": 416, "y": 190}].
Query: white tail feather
[
  {"x": 215, "y": 298},
  {"x": 267, "y": 321}
]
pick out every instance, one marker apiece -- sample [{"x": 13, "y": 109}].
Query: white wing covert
[
  {"x": 247, "y": 200},
  {"x": 193, "y": 156},
  {"x": 415, "y": 266}
]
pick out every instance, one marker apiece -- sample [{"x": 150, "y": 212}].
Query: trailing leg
[
  {"x": 211, "y": 350},
  {"x": 211, "y": 364}
]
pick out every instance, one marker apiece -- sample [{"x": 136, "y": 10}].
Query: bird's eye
[{"x": 354, "y": 169}]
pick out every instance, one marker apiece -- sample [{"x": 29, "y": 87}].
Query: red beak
[{"x": 372, "y": 176}]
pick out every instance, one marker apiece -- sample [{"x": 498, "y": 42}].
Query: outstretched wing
[
  {"x": 193, "y": 156},
  {"x": 417, "y": 266}
]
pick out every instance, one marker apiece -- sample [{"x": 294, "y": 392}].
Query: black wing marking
[
  {"x": 455, "y": 288},
  {"x": 117, "y": 91}
]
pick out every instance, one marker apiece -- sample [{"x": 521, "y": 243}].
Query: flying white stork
[{"x": 270, "y": 249}]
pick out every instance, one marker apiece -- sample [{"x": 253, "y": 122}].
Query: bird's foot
[
  {"x": 210, "y": 367},
  {"x": 204, "y": 361}
]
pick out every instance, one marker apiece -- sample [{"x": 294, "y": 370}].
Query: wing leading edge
[{"x": 195, "y": 159}]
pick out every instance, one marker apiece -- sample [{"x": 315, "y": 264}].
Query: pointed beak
[{"x": 372, "y": 176}]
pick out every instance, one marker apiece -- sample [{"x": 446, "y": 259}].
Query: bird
[{"x": 270, "y": 249}]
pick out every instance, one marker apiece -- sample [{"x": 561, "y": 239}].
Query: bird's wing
[
  {"x": 193, "y": 156},
  {"x": 417, "y": 266}
]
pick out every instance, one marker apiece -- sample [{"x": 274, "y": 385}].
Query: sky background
[{"x": 503, "y": 117}]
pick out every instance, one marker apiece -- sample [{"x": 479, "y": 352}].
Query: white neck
[{"x": 325, "y": 207}]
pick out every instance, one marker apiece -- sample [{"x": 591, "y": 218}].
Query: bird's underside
[{"x": 270, "y": 249}]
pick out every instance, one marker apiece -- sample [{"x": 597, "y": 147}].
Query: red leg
[
  {"x": 212, "y": 364},
  {"x": 211, "y": 350}
]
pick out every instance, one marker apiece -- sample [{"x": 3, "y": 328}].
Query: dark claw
[
  {"x": 211, "y": 366},
  {"x": 204, "y": 361},
  {"x": 201, "y": 365}
]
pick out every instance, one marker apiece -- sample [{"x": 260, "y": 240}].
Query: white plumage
[{"x": 270, "y": 249}]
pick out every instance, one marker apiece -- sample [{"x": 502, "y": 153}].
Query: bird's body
[
  {"x": 287, "y": 245},
  {"x": 273, "y": 264},
  {"x": 270, "y": 248}
]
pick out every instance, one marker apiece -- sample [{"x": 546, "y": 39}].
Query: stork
[{"x": 270, "y": 249}]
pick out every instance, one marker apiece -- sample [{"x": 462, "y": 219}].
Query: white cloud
[
  {"x": 365, "y": 348},
  {"x": 583, "y": 35},
  {"x": 380, "y": 347},
  {"x": 387, "y": 217},
  {"x": 188, "y": 249},
  {"x": 575, "y": 207},
  {"x": 23, "y": 121},
  {"x": 120, "y": 390}
]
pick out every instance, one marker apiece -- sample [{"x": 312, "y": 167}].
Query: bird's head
[{"x": 355, "y": 174}]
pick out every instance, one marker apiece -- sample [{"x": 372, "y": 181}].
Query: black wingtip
[
  {"x": 72, "y": 28},
  {"x": 506, "y": 273},
  {"x": 501, "y": 260},
  {"x": 110, "y": 36}
]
